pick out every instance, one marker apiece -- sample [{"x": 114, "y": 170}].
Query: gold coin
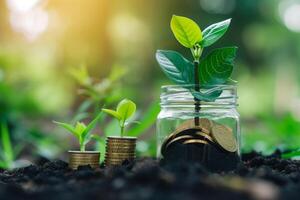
[
  {"x": 195, "y": 141},
  {"x": 120, "y": 154},
  {"x": 204, "y": 124},
  {"x": 179, "y": 138},
  {"x": 120, "y": 151},
  {"x": 191, "y": 133},
  {"x": 206, "y": 136},
  {"x": 120, "y": 143},
  {"x": 172, "y": 136},
  {"x": 121, "y": 140},
  {"x": 117, "y": 159},
  {"x": 120, "y": 146},
  {"x": 224, "y": 137},
  {"x": 177, "y": 131}
]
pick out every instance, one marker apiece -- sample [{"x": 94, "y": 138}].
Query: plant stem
[
  {"x": 82, "y": 146},
  {"x": 197, "y": 89},
  {"x": 122, "y": 128}
]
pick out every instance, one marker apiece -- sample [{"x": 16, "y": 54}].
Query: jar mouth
[
  {"x": 224, "y": 95},
  {"x": 229, "y": 85}
]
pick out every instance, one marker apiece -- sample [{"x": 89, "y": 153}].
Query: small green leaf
[
  {"x": 112, "y": 113},
  {"x": 186, "y": 31},
  {"x": 211, "y": 96},
  {"x": 68, "y": 127},
  {"x": 214, "y": 32},
  {"x": 126, "y": 108},
  {"x": 217, "y": 67},
  {"x": 175, "y": 66},
  {"x": 80, "y": 128},
  {"x": 91, "y": 125}
]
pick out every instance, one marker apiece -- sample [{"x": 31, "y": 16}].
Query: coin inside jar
[
  {"x": 224, "y": 137},
  {"x": 177, "y": 133},
  {"x": 204, "y": 124},
  {"x": 192, "y": 133}
]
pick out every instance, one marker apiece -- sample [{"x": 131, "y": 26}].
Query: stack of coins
[
  {"x": 119, "y": 149},
  {"x": 190, "y": 142},
  {"x": 79, "y": 158}
]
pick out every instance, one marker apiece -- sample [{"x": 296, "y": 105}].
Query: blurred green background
[{"x": 60, "y": 59}]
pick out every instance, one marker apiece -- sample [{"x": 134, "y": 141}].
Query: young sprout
[
  {"x": 125, "y": 109},
  {"x": 7, "y": 153},
  {"x": 81, "y": 131}
]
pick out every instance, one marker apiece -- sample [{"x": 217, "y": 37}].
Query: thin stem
[
  {"x": 122, "y": 131},
  {"x": 82, "y": 147},
  {"x": 122, "y": 128},
  {"x": 197, "y": 89}
]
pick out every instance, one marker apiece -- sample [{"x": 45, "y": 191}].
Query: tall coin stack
[{"x": 119, "y": 149}]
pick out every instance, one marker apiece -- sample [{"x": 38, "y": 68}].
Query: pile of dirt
[{"x": 257, "y": 177}]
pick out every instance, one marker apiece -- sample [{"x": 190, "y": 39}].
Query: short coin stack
[
  {"x": 119, "y": 149},
  {"x": 79, "y": 158},
  {"x": 207, "y": 133}
]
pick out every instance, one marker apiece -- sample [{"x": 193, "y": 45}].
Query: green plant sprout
[
  {"x": 215, "y": 68},
  {"x": 81, "y": 131},
  {"x": 125, "y": 110},
  {"x": 97, "y": 93},
  {"x": 10, "y": 152},
  {"x": 7, "y": 155}
]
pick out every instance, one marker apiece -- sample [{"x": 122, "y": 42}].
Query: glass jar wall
[{"x": 209, "y": 134}]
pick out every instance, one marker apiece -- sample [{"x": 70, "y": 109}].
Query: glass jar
[{"x": 199, "y": 131}]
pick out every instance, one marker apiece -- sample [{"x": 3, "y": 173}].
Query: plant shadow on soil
[{"x": 257, "y": 177}]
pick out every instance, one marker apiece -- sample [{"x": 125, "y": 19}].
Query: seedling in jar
[{"x": 194, "y": 138}]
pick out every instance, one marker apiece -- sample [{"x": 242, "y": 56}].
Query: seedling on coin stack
[
  {"x": 208, "y": 74},
  {"x": 121, "y": 148},
  {"x": 83, "y": 134}
]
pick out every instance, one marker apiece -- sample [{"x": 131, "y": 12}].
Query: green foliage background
[{"x": 116, "y": 41}]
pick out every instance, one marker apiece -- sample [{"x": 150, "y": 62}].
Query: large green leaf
[
  {"x": 126, "y": 108},
  {"x": 217, "y": 67},
  {"x": 186, "y": 31},
  {"x": 214, "y": 32},
  {"x": 175, "y": 66}
]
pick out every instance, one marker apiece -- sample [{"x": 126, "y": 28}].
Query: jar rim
[
  {"x": 223, "y": 95},
  {"x": 233, "y": 85}
]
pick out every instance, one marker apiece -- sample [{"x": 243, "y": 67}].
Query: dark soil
[{"x": 257, "y": 177}]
